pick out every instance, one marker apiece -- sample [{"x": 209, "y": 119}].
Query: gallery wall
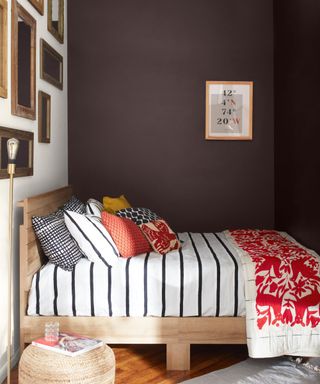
[
  {"x": 137, "y": 72},
  {"x": 50, "y": 168},
  {"x": 297, "y": 132}
]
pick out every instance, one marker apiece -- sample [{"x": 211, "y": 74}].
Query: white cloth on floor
[{"x": 261, "y": 371}]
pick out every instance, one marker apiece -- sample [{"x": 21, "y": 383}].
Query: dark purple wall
[
  {"x": 137, "y": 72},
  {"x": 297, "y": 125}
]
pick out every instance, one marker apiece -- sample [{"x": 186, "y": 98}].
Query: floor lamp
[{"x": 12, "y": 148}]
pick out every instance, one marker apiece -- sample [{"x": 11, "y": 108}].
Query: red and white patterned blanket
[{"x": 282, "y": 289}]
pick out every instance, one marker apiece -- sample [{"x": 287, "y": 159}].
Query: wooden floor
[{"x": 141, "y": 364}]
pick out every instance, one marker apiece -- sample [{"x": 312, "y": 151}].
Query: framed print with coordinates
[{"x": 229, "y": 110}]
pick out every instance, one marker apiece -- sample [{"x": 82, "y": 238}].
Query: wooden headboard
[{"x": 31, "y": 256}]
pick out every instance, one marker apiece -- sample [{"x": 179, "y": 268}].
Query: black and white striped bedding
[{"x": 203, "y": 278}]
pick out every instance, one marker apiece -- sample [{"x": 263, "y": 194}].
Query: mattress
[{"x": 203, "y": 278}]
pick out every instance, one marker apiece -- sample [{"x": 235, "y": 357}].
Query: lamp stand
[
  {"x": 11, "y": 172},
  {"x": 12, "y": 148}
]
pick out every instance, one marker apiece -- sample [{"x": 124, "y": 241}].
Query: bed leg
[{"x": 178, "y": 357}]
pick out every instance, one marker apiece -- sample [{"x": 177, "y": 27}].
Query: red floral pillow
[
  {"x": 127, "y": 236},
  {"x": 161, "y": 236}
]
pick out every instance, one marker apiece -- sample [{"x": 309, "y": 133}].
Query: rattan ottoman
[{"x": 38, "y": 365}]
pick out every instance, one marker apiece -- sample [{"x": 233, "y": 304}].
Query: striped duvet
[{"x": 203, "y": 278}]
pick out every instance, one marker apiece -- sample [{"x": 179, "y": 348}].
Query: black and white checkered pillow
[
  {"x": 74, "y": 205},
  {"x": 92, "y": 237},
  {"x": 56, "y": 241},
  {"x": 138, "y": 215},
  {"x": 94, "y": 207}
]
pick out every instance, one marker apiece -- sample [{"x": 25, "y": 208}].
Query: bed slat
[{"x": 147, "y": 330}]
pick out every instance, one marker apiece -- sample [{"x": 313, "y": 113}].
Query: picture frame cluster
[{"x": 25, "y": 97}]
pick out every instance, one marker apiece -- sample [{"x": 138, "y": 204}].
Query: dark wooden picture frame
[
  {"x": 3, "y": 48},
  {"x": 23, "y": 63},
  {"x": 38, "y": 5},
  {"x": 56, "y": 27},
  {"x": 44, "y": 117},
  {"x": 24, "y": 164},
  {"x": 51, "y": 65}
]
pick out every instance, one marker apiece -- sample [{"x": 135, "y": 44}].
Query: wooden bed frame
[{"x": 178, "y": 333}]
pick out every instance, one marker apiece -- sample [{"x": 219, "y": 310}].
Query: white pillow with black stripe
[
  {"x": 94, "y": 207},
  {"x": 57, "y": 244},
  {"x": 92, "y": 237}
]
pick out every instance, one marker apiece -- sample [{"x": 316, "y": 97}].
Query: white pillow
[
  {"x": 92, "y": 237},
  {"x": 94, "y": 207}
]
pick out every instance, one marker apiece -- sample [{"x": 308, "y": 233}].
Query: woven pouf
[{"x": 38, "y": 365}]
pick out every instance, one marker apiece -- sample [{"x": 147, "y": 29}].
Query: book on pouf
[{"x": 69, "y": 344}]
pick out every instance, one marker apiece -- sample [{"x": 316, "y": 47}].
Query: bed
[{"x": 127, "y": 324}]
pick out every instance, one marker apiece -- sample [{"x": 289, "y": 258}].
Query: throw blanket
[{"x": 282, "y": 290}]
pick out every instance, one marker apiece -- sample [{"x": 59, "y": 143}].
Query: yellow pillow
[{"x": 113, "y": 204}]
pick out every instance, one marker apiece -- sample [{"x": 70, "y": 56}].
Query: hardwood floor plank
[{"x": 146, "y": 364}]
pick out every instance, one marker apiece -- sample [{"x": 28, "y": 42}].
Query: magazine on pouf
[{"x": 69, "y": 344}]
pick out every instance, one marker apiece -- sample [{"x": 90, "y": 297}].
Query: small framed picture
[
  {"x": 24, "y": 161},
  {"x": 229, "y": 110},
  {"x": 56, "y": 19},
  {"x": 23, "y": 62},
  {"x": 44, "y": 117},
  {"x": 38, "y": 4},
  {"x": 51, "y": 65}
]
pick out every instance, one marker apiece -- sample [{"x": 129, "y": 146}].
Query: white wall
[{"x": 50, "y": 166}]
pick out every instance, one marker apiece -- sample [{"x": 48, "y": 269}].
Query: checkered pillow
[
  {"x": 74, "y": 205},
  {"x": 138, "y": 215},
  {"x": 56, "y": 241}
]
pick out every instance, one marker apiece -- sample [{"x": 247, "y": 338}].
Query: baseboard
[{"x": 14, "y": 361}]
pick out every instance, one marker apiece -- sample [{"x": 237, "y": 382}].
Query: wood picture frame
[
  {"x": 56, "y": 19},
  {"x": 44, "y": 117},
  {"x": 3, "y": 48},
  {"x": 51, "y": 65},
  {"x": 38, "y": 5},
  {"x": 24, "y": 162},
  {"x": 23, "y": 62},
  {"x": 229, "y": 110}
]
